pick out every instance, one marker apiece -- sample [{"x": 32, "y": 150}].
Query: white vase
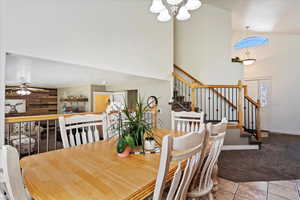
[{"x": 149, "y": 144}]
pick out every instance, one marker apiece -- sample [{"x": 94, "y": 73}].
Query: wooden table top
[{"x": 92, "y": 172}]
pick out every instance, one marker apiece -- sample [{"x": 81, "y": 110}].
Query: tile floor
[{"x": 274, "y": 190}]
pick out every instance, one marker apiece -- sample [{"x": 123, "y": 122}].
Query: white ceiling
[
  {"x": 51, "y": 74},
  {"x": 280, "y": 16}
]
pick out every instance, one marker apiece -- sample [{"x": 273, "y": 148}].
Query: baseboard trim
[
  {"x": 239, "y": 147},
  {"x": 282, "y": 133}
]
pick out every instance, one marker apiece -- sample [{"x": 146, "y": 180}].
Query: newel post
[
  {"x": 258, "y": 121},
  {"x": 193, "y": 96},
  {"x": 154, "y": 119},
  {"x": 240, "y": 105}
]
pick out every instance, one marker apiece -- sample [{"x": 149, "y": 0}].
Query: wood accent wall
[{"x": 37, "y": 103}]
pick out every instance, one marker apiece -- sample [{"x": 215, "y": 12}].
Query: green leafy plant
[
  {"x": 134, "y": 128},
  {"x": 136, "y": 122},
  {"x": 124, "y": 142}
]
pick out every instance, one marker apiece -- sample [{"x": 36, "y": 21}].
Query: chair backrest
[
  {"x": 186, "y": 150},
  {"x": 187, "y": 121},
  {"x": 112, "y": 125},
  {"x": 11, "y": 173},
  {"x": 82, "y": 129},
  {"x": 218, "y": 128},
  {"x": 216, "y": 134}
]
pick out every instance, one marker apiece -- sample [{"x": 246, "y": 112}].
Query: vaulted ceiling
[{"x": 280, "y": 16}]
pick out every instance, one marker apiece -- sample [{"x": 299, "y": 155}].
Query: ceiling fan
[{"x": 23, "y": 89}]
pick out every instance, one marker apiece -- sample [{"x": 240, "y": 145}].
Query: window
[{"x": 251, "y": 42}]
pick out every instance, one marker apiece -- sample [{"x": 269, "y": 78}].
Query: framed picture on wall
[{"x": 15, "y": 106}]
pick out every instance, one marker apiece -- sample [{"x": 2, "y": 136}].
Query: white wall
[
  {"x": 116, "y": 35},
  {"x": 2, "y": 72},
  {"x": 279, "y": 61},
  {"x": 151, "y": 87},
  {"x": 203, "y": 46}
]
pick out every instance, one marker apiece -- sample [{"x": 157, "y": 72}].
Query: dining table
[{"x": 93, "y": 171}]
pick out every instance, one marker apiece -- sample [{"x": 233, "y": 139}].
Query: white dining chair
[
  {"x": 186, "y": 151},
  {"x": 82, "y": 129},
  {"x": 203, "y": 183},
  {"x": 11, "y": 178},
  {"x": 187, "y": 121},
  {"x": 112, "y": 125},
  {"x": 221, "y": 127}
]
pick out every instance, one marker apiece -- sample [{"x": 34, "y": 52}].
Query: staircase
[{"x": 217, "y": 102}]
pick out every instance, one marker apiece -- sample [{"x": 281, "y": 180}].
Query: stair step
[
  {"x": 253, "y": 141},
  {"x": 179, "y": 99},
  {"x": 187, "y": 104},
  {"x": 175, "y": 93}
]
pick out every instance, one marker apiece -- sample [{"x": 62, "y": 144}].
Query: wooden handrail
[
  {"x": 257, "y": 117},
  {"x": 42, "y": 117},
  {"x": 200, "y": 83},
  {"x": 252, "y": 101},
  {"x": 56, "y": 116},
  {"x": 215, "y": 86},
  {"x": 197, "y": 85},
  {"x": 177, "y": 76},
  {"x": 188, "y": 74}
]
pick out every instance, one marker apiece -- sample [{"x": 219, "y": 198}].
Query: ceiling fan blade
[
  {"x": 37, "y": 89},
  {"x": 12, "y": 88}
]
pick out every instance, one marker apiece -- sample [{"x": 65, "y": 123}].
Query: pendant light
[{"x": 248, "y": 61}]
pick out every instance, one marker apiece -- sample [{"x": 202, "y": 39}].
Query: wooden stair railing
[
  {"x": 252, "y": 120},
  {"x": 217, "y": 101},
  {"x": 200, "y": 83}
]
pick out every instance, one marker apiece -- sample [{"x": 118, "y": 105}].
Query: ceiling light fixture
[
  {"x": 174, "y": 8},
  {"x": 23, "y": 91},
  {"x": 248, "y": 60}
]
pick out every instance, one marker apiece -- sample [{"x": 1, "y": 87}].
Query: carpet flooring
[{"x": 278, "y": 159}]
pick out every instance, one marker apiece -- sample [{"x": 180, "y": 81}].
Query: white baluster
[
  {"x": 183, "y": 126},
  {"x": 197, "y": 127},
  {"x": 77, "y": 137},
  {"x": 83, "y": 135},
  {"x": 96, "y": 134},
  {"x": 193, "y": 127},
  {"x": 188, "y": 127},
  {"x": 90, "y": 134},
  {"x": 178, "y": 125},
  {"x": 71, "y": 138}
]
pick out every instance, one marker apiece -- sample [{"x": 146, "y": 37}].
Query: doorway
[
  {"x": 103, "y": 99},
  {"x": 261, "y": 88}
]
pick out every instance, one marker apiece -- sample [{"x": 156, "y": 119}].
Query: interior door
[
  {"x": 262, "y": 89},
  {"x": 101, "y": 101}
]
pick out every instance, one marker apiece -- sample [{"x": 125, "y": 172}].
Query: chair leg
[
  {"x": 210, "y": 196},
  {"x": 215, "y": 177}
]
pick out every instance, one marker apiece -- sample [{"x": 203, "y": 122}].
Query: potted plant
[
  {"x": 134, "y": 130},
  {"x": 124, "y": 146},
  {"x": 138, "y": 126}
]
